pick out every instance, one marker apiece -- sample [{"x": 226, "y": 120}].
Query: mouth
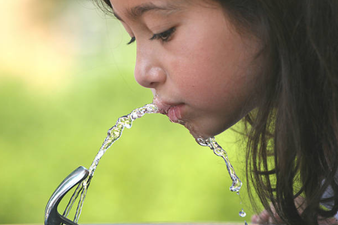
[
  {"x": 172, "y": 110},
  {"x": 176, "y": 113}
]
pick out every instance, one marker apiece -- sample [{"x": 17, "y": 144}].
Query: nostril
[
  {"x": 150, "y": 78},
  {"x": 152, "y": 84}
]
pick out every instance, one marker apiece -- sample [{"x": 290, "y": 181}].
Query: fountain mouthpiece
[
  {"x": 82, "y": 176},
  {"x": 52, "y": 216}
]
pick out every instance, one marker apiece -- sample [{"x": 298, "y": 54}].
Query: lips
[
  {"x": 172, "y": 110},
  {"x": 174, "y": 113}
]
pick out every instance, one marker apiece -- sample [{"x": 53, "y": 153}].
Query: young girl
[{"x": 274, "y": 63}]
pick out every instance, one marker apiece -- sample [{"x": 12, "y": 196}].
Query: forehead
[{"x": 134, "y": 9}]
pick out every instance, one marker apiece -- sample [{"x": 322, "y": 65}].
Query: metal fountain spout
[
  {"x": 82, "y": 176},
  {"x": 52, "y": 216}
]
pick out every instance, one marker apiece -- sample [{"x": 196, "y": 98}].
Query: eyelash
[
  {"x": 132, "y": 40},
  {"x": 163, "y": 36}
]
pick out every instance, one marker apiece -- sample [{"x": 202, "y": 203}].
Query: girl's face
[{"x": 202, "y": 72}]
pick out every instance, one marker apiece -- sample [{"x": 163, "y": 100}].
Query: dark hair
[{"x": 293, "y": 134}]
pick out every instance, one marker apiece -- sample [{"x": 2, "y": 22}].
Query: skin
[{"x": 205, "y": 74}]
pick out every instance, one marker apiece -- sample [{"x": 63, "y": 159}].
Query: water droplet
[
  {"x": 201, "y": 141},
  {"x": 242, "y": 213}
]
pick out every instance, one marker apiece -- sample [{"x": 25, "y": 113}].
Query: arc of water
[{"x": 113, "y": 135}]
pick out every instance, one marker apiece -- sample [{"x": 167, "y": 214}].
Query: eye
[
  {"x": 132, "y": 40},
  {"x": 164, "y": 36}
]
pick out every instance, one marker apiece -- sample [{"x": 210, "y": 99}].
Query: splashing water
[
  {"x": 115, "y": 132},
  {"x": 217, "y": 149},
  {"x": 113, "y": 135},
  {"x": 213, "y": 145},
  {"x": 242, "y": 213}
]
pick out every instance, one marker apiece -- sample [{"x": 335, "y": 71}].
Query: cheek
[
  {"x": 205, "y": 65},
  {"x": 211, "y": 65},
  {"x": 213, "y": 76}
]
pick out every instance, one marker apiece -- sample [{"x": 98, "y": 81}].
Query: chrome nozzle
[{"x": 52, "y": 216}]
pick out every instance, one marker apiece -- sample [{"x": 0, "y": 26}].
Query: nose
[{"x": 149, "y": 71}]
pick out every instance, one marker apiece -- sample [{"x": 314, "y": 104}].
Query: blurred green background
[{"x": 66, "y": 75}]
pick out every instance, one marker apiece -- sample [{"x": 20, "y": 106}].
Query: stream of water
[
  {"x": 219, "y": 151},
  {"x": 115, "y": 133}
]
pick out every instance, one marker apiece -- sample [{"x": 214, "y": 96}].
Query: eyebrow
[{"x": 139, "y": 10}]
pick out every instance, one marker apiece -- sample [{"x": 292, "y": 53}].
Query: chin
[
  {"x": 202, "y": 131},
  {"x": 207, "y": 129}
]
